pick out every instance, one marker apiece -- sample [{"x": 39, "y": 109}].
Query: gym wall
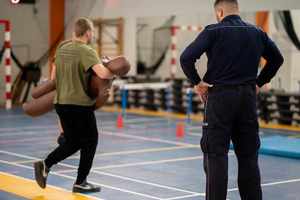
[
  {"x": 145, "y": 38},
  {"x": 200, "y": 12},
  {"x": 29, "y": 35},
  {"x": 289, "y": 74}
]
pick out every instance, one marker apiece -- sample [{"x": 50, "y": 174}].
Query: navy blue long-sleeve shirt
[{"x": 234, "y": 49}]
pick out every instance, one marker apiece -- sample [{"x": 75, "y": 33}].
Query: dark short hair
[
  {"x": 82, "y": 25},
  {"x": 226, "y": 1}
]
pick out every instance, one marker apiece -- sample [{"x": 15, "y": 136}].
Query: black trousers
[
  {"x": 231, "y": 115},
  {"x": 80, "y": 131}
]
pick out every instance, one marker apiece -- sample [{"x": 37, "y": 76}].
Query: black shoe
[
  {"x": 41, "y": 173},
  {"x": 85, "y": 187},
  {"x": 61, "y": 139}
]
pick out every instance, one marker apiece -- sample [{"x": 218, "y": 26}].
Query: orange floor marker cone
[
  {"x": 180, "y": 130},
  {"x": 120, "y": 121}
]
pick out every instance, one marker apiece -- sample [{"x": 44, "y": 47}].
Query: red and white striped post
[
  {"x": 7, "y": 61},
  {"x": 173, "y": 52},
  {"x": 174, "y": 30}
]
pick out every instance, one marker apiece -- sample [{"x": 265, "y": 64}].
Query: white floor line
[
  {"x": 27, "y": 133},
  {"x": 23, "y": 128},
  {"x": 281, "y": 182},
  {"x": 139, "y": 163},
  {"x": 26, "y": 161},
  {"x": 125, "y": 135},
  {"x": 142, "y": 163},
  {"x": 236, "y": 189},
  {"x": 132, "y": 121},
  {"x": 147, "y": 120},
  {"x": 28, "y": 140},
  {"x": 151, "y": 162},
  {"x": 31, "y": 168},
  {"x": 101, "y": 113},
  {"x": 271, "y": 184},
  {"x": 113, "y": 134},
  {"x": 146, "y": 182},
  {"x": 194, "y": 134},
  {"x": 14, "y": 116},
  {"x": 115, "y": 188},
  {"x": 186, "y": 196},
  {"x": 19, "y": 155},
  {"x": 199, "y": 194},
  {"x": 106, "y": 173},
  {"x": 137, "y": 151},
  {"x": 95, "y": 183},
  {"x": 195, "y": 128}
]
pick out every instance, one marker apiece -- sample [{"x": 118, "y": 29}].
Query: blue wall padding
[{"x": 280, "y": 146}]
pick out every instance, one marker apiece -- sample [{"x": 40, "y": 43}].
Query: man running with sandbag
[{"x": 74, "y": 107}]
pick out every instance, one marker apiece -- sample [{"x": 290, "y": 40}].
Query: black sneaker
[
  {"x": 41, "y": 173},
  {"x": 61, "y": 139},
  {"x": 85, "y": 187}
]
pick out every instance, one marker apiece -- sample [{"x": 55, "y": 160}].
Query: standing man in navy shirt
[{"x": 228, "y": 89}]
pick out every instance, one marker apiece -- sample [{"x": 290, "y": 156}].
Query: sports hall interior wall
[{"x": 30, "y": 35}]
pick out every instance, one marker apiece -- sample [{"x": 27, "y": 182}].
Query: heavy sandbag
[
  {"x": 118, "y": 66},
  {"x": 98, "y": 89},
  {"x": 39, "y": 106},
  {"x": 103, "y": 90},
  {"x": 43, "y": 88},
  {"x": 43, "y": 104}
]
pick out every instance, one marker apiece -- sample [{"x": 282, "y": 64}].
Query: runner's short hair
[
  {"x": 82, "y": 25},
  {"x": 217, "y": 2}
]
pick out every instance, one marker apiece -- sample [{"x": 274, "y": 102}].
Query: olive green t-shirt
[{"x": 73, "y": 59}]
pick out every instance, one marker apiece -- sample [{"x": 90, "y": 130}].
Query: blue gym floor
[{"x": 142, "y": 161}]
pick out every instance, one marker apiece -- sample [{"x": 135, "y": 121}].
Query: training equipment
[
  {"x": 118, "y": 66},
  {"x": 98, "y": 88},
  {"x": 43, "y": 89},
  {"x": 143, "y": 95},
  {"x": 44, "y": 103},
  {"x": 272, "y": 107},
  {"x": 120, "y": 123},
  {"x": 7, "y": 46},
  {"x": 98, "y": 85},
  {"x": 175, "y": 95},
  {"x": 180, "y": 130},
  {"x": 139, "y": 91},
  {"x": 39, "y": 106}
]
